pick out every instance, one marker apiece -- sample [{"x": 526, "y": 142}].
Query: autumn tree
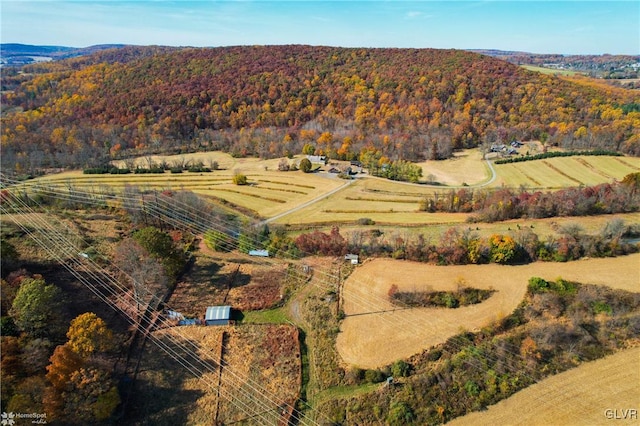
[
  {"x": 88, "y": 333},
  {"x": 36, "y": 308},
  {"x": 502, "y": 248},
  {"x": 161, "y": 246},
  {"x": 92, "y": 396},
  {"x": 64, "y": 362},
  {"x": 305, "y": 165},
  {"x": 308, "y": 149},
  {"x": 148, "y": 278},
  {"x": 80, "y": 388}
]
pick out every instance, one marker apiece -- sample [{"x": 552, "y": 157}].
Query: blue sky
[{"x": 570, "y": 27}]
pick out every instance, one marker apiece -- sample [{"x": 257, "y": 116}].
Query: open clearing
[
  {"x": 580, "y": 396},
  {"x": 376, "y": 333},
  {"x": 465, "y": 167},
  {"x": 267, "y": 356},
  {"x": 551, "y": 71}
]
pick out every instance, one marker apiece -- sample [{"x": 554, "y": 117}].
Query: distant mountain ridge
[
  {"x": 23, "y": 54},
  {"x": 601, "y": 66}
]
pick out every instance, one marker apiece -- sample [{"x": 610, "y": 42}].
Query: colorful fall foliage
[{"x": 411, "y": 104}]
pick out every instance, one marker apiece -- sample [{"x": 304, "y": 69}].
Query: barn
[{"x": 217, "y": 315}]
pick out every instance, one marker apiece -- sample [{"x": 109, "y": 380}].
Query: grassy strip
[
  {"x": 267, "y": 316},
  {"x": 343, "y": 392},
  {"x": 288, "y": 184},
  {"x": 275, "y": 200},
  {"x": 378, "y": 200},
  {"x": 560, "y": 172},
  {"x": 362, "y": 211},
  {"x": 593, "y": 169},
  {"x": 396, "y": 193},
  {"x": 626, "y": 163},
  {"x": 282, "y": 190}
]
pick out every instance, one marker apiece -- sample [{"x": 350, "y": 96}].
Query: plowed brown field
[{"x": 376, "y": 333}]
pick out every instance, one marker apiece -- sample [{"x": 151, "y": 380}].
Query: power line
[
  {"x": 69, "y": 260},
  {"x": 163, "y": 205}
]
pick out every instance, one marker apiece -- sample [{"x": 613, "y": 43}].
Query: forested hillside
[{"x": 269, "y": 101}]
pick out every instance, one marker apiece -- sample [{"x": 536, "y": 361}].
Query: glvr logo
[
  {"x": 8, "y": 419},
  {"x": 621, "y": 413}
]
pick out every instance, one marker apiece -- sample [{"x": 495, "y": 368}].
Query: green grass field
[
  {"x": 549, "y": 70},
  {"x": 561, "y": 172}
]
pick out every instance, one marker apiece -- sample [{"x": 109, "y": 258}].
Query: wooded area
[{"x": 407, "y": 104}]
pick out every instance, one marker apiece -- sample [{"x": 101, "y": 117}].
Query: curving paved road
[{"x": 308, "y": 203}]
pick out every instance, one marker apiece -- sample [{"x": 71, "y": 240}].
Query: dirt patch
[
  {"x": 593, "y": 389},
  {"x": 375, "y": 332}
]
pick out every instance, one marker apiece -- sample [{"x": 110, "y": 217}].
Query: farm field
[
  {"x": 550, "y": 71},
  {"x": 297, "y": 198},
  {"x": 580, "y": 396},
  {"x": 375, "y": 332},
  {"x": 269, "y": 191},
  {"x": 374, "y": 198},
  {"x": 560, "y": 172},
  {"x": 465, "y": 167}
]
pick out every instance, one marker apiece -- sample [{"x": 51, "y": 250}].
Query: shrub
[
  {"x": 538, "y": 285},
  {"x": 305, "y": 165},
  {"x": 218, "y": 241},
  {"x": 365, "y": 221},
  {"x": 600, "y": 307},
  {"x": 400, "y": 413},
  {"x": 240, "y": 179},
  {"x": 373, "y": 376},
  {"x": 400, "y": 369}
]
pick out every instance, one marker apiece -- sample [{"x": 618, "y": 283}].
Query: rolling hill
[{"x": 270, "y": 101}]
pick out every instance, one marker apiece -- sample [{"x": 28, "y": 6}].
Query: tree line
[{"x": 508, "y": 203}]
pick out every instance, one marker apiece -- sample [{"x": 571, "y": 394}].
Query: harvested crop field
[
  {"x": 562, "y": 172},
  {"x": 587, "y": 395},
  {"x": 376, "y": 333}
]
